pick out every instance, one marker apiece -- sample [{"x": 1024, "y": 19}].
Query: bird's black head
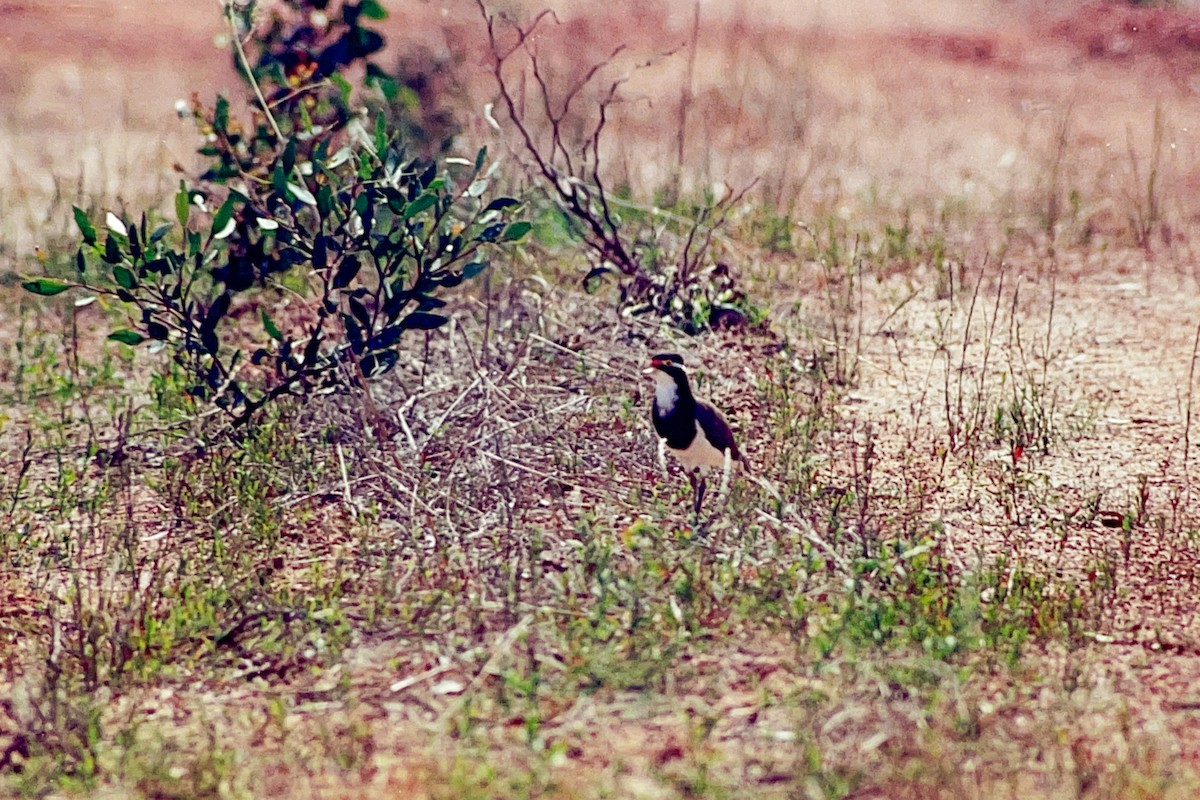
[
  {"x": 669, "y": 365},
  {"x": 664, "y": 359}
]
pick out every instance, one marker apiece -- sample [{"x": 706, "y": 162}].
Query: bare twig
[
  {"x": 567, "y": 162},
  {"x": 1187, "y": 425}
]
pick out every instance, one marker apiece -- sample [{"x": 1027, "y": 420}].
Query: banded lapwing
[{"x": 694, "y": 431}]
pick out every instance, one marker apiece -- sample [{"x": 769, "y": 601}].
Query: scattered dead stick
[
  {"x": 1181, "y": 705},
  {"x": 540, "y": 474}
]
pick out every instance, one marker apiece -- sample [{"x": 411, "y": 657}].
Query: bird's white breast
[{"x": 700, "y": 454}]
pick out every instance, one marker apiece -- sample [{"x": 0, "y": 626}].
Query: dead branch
[{"x": 678, "y": 285}]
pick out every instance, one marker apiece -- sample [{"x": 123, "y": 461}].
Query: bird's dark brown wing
[{"x": 717, "y": 430}]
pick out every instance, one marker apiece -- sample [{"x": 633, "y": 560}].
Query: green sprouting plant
[{"x": 301, "y": 211}]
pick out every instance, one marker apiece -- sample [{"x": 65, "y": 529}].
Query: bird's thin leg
[
  {"x": 700, "y": 485},
  {"x": 723, "y": 492}
]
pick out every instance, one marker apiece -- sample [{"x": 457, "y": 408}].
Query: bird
[{"x": 695, "y": 432}]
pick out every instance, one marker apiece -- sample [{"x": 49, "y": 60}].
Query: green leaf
[
  {"x": 47, "y": 287},
  {"x": 422, "y": 203},
  {"x": 306, "y": 123},
  {"x": 221, "y": 115},
  {"x": 208, "y": 327},
  {"x": 320, "y": 252},
  {"x": 591, "y": 281},
  {"x": 346, "y": 271},
  {"x": 116, "y": 224},
  {"x": 419, "y": 320},
  {"x": 270, "y": 327},
  {"x": 366, "y": 169},
  {"x": 126, "y": 336},
  {"x": 361, "y": 202},
  {"x": 381, "y": 134},
  {"x": 480, "y": 157},
  {"x": 427, "y": 302},
  {"x": 501, "y": 203},
  {"x": 379, "y": 363},
  {"x": 183, "y": 205},
  {"x": 279, "y": 181},
  {"x": 225, "y": 232},
  {"x": 289, "y": 155},
  {"x": 112, "y": 250},
  {"x": 124, "y": 277},
  {"x": 359, "y": 312},
  {"x": 372, "y": 10},
  {"x": 427, "y": 176},
  {"x": 386, "y": 85},
  {"x": 473, "y": 269},
  {"x": 325, "y": 199},
  {"x": 343, "y": 86},
  {"x": 135, "y": 243},
  {"x": 302, "y": 194},
  {"x": 223, "y": 215},
  {"x": 516, "y": 231},
  {"x": 343, "y": 155},
  {"x": 86, "y": 228}
]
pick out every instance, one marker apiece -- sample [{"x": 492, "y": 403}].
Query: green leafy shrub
[
  {"x": 331, "y": 237},
  {"x": 293, "y": 64},
  {"x": 301, "y": 43}
]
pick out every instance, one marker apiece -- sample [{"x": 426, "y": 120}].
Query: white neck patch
[{"x": 665, "y": 392}]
